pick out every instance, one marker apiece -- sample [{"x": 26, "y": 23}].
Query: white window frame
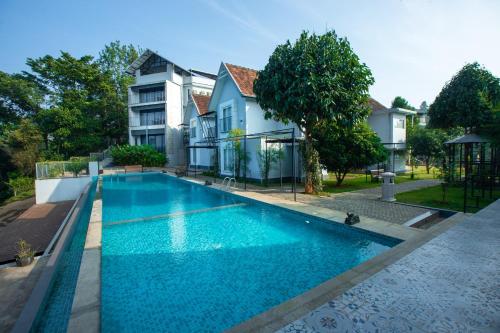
[{"x": 192, "y": 129}]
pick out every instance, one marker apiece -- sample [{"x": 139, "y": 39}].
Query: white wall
[
  {"x": 380, "y": 122},
  {"x": 59, "y": 189},
  {"x": 398, "y": 134},
  {"x": 174, "y": 146}
]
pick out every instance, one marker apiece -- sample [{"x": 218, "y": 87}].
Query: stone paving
[
  {"x": 403, "y": 187},
  {"x": 16, "y": 284},
  {"x": 361, "y": 204},
  {"x": 450, "y": 284}
]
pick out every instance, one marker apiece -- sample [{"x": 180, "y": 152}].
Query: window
[
  {"x": 149, "y": 95},
  {"x": 192, "y": 128},
  {"x": 226, "y": 120},
  {"x": 152, "y": 117},
  {"x": 157, "y": 141},
  {"x": 154, "y": 64},
  {"x": 228, "y": 158},
  {"x": 399, "y": 123}
]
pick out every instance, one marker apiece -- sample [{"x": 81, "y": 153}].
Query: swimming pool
[{"x": 209, "y": 260}]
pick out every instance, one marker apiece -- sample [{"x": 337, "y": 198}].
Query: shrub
[
  {"x": 134, "y": 155},
  {"x": 21, "y": 184}
]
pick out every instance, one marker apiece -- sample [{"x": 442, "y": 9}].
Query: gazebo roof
[{"x": 467, "y": 138}]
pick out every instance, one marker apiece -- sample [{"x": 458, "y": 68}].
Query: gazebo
[{"x": 473, "y": 162}]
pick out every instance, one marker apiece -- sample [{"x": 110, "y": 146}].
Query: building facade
[
  {"x": 158, "y": 102},
  {"x": 390, "y": 125}
]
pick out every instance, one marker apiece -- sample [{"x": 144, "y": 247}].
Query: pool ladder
[{"x": 227, "y": 185}]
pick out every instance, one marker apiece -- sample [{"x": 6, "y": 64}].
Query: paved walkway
[
  {"x": 450, "y": 284},
  {"x": 361, "y": 204},
  {"x": 37, "y": 225},
  {"x": 403, "y": 187},
  {"x": 16, "y": 285}
]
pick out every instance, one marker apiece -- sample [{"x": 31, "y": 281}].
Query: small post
[
  {"x": 245, "y": 159},
  {"x": 294, "y": 187}
]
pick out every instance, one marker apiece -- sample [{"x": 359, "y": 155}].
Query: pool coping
[{"x": 86, "y": 308}]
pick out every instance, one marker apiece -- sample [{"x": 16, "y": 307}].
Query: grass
[
  {"x": 20, "y": 196},
  {"x": 354, "y": 182},
  {"x": 433, "y": 197}
]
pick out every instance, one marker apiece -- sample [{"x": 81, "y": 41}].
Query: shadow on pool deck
[{"x": 37, "y": 225}]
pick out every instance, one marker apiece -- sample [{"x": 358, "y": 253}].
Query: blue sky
[{"x": 412, "y": 47}]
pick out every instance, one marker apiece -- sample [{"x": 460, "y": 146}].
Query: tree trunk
[
  {"x": 427, "y": 167},
  {"x": 309, "y": 186}
]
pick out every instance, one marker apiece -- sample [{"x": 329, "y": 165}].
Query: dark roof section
[
  {"x": 467, "y": 138},
  {"x": 201, "y": 103},
  {"x": 205, "y": 74},
  {"x": 376, "y": 105},
  {"x": 243, "y": 77},
  {"x": 143, "y": 57}
]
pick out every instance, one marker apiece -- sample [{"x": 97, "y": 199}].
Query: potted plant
[{"x": 25, "y": 254}]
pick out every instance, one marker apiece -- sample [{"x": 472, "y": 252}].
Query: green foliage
[
  {"x": 21, "y": 184},
  {"x": 400, "y": 102},
  {"x": 345, "y": 150},
  {"x": 266, "y": 158},
  {"x": 24, "y": 250},
  {"x": 25, "y": 143},
  {"x": 138, "y": 155},
  {"x": 467, "y": 100},
  {"x": 19, "y": 97},
  {"x": 318, "y": 78},
  {"x": 238, "y": 149},
  {"x": 427, "y": 144},
  {"x": 77, "y": 165}
]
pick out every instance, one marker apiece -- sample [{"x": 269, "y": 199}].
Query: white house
[
  {"x": 234, "y": 105},
  {"x": 390, "y": 126},
  {"x": 158, "y": 103}
]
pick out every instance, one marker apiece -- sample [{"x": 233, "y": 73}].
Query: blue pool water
[
  {"x": 210, "y": 270},
  {"x": 54, "y": 315}
]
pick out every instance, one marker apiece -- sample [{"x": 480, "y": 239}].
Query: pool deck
[
  {"x": 37, "y": 224},
  {"x": 450, "y": 284}
]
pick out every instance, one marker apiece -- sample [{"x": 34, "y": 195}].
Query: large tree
[
  {"x": 400, "y": 102},
  {"x": 348, "y": 149},
  {"x": 467, "y": 100},
  {"x": 114, "y": 60},
  {"x": 316, "y": 79},
  {"x": 427, "y": 144},
  {"x": 19, "y": 97}
]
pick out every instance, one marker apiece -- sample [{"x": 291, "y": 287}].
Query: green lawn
[
  {"x": 433, "y": 197},
  {"x": 353, "y": 182},
  {"x": 20, "y": 196}
]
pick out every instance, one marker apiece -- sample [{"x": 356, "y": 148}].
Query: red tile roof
[
  {"x": 376, "y": 105},
  {"x": 243, "y": 77},
  {"x": 201, "y": 102}
]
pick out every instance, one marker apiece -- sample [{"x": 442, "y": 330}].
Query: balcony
[
  {"x": 148, "y": 119},
  {"x": 148, "y": 97}
]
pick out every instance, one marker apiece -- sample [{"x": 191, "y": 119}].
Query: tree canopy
[
  {"x": 348, "y": 149},
  {"x": 400, "y": 102},
  {"x": 467, "y": 100},
  {"x": 427, "y": 144},
  {"x": 316, "y": 79}
]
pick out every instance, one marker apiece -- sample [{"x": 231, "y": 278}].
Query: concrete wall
[
  {"x": 59, "y": 189},
  {"x": 174, "y": 146}
]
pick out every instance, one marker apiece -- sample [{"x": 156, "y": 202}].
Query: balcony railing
[
  {"x": 154, "y": 96},
  {"x": 62, "y": 169}
]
